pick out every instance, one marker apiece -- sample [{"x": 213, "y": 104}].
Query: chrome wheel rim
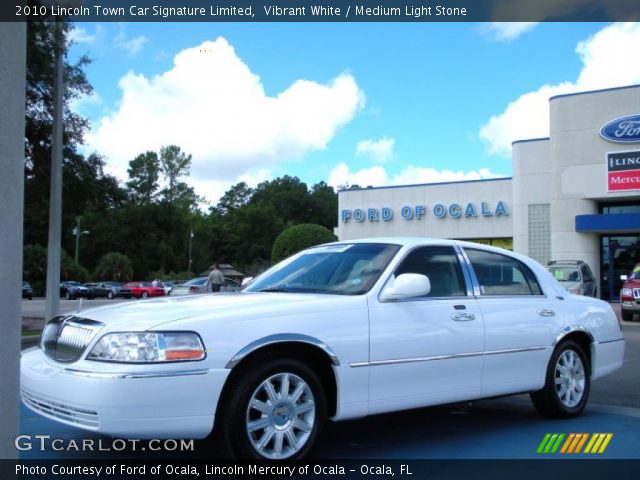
[
  {"x": 569, "y": 378},
  {"x": 280, "y": 416}
]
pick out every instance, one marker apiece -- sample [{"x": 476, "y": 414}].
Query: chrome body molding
[
  {"x": 282, "y": 338},
  {"x": 611, "y": 341},
  {"x": 570, "y": 329},
  {"x": 377, "y": 363},
  {"x": 129, "y": 375}
]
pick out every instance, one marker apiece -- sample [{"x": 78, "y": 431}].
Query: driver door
[{"x": 426, "y": 350}]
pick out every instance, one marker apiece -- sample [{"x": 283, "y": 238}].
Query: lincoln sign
[
  {"x": 418, "y": 212},
  {"x": 623, "y": 171}
]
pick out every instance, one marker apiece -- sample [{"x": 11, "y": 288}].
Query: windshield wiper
[{"x": 273, "y": 289}]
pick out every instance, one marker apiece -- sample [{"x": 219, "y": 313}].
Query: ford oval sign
[{"x": 622, "y": 130}]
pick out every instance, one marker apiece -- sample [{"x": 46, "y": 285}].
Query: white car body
[{"x": 384, "y": 354}]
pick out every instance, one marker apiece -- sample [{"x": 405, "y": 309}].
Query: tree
[
  {"x": 299, "y": 237},
  {"x": 324, "y": 205},
  {"x": 144, "y": 172},
  {"x": 114, "y": 266},
  {"x": 173, "y": 164},
  {"x": 237, "y": 196},
  {"x": 288, "y": 196}
]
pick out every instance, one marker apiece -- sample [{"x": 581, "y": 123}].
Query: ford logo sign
[{"x": 622, "y": 130}]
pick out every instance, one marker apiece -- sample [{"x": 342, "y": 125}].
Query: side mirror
[
  {"x": 407, "y": 285},
  {"x": 624, "y": 278},
  {"x": 246, "y": 281}
]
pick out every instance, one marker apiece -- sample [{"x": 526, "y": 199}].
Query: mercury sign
[
  {"x": 419, "y": 212},
  {"x": 622, "y": 130}
]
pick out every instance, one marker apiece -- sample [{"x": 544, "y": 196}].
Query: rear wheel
[
  {"x": 275, "y": 412},
  {"x": 567, "y": 386},
  {"x": 145, "y": 294},
  {"x": 67, "y": 295},
  {"x": 110, "y": 295}
]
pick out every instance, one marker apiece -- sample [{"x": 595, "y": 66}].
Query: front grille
[
  {"x": 80, "y": 416},
  {"x": 65, "y": 338},
  {"x": 636, "y": 293}
]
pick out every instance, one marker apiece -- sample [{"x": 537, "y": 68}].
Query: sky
[{"x": 348, "y": 104}]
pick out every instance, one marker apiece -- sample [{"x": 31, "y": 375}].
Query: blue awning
[{"x": 609, "y": 223}]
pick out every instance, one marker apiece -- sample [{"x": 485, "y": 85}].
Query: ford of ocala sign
[
  {"x": 622, "y": 130},
  {"x": 418, "y": 212}
]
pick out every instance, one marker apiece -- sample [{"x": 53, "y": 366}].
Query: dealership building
[{"x": 573, "y": 196}]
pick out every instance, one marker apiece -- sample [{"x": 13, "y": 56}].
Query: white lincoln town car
[{"x": 337, "y": 331}]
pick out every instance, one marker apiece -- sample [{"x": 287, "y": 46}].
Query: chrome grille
[
  {"x": 65, "y": 338},
  {"x": 636, "y": 293},
  {"x": 80, "y": 416}
]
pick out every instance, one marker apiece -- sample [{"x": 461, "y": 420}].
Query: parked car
[
  {"x": 201, "y": 285},
  {"x": 144, "y": 289},
  {"x": 630, "y": 295},
  {"x": 575, "y": 276},
  {"x": 27, "y": 291},
  {"x": 109, "y": 290},
  {"x": 168, "y": 287},
  {"x": 71, "y": 290},
  {"x": 338, "y": 331}
]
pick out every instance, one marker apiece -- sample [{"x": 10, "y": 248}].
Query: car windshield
[
  {"x": 635, "y": 274},
  {"x": 343, "y": 269},
  {"x": 196, "y": 281},
  {"x": 565, "y": 274},
  {"x": 113, "y": 284},
  {"x": 75, "y": 284}
]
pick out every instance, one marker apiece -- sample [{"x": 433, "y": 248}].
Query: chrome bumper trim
[{"x": 125, "y": 375}]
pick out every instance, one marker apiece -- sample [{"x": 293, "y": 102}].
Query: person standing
[{"x": 216, "y": 279}]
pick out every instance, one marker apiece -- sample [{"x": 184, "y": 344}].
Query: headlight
[
  {"x": 148, "y": 347},
  {"x": 577, "y": 291},
  {"x": 626, "y": 292}
]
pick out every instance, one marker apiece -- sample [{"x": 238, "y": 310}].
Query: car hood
[{"x": 149, "y": 314}]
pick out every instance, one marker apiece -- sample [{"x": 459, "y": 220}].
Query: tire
[
  {"x": 110, "y": 295},
  {"x": 67, "y": 295},
  {"x": 567, "y": 385},
  {"x": 627, "y": 316},
  {"x": 144, "y": 295},
  {"x": 258, "y": 418}
]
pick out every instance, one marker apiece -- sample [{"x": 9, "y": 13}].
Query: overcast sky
[{"x": 367, "y": 104}]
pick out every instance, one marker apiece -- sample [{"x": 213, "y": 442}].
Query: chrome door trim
[{"x": 377, "y": 363}]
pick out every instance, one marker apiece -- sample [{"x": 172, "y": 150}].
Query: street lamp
[
  {"x": 77, "y": 232},
  {"x": 190, "y": 242}
]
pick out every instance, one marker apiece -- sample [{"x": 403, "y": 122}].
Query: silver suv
[{"x": 575, "y": 276}]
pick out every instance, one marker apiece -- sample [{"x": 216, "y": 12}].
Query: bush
[
  {"x": 114, "y": 266},
  {"x": 299, "y": 237},
  {"x": 34, "y": 267},
  {"x": 71, "y": 270}
]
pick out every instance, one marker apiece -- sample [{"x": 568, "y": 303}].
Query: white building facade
[{"x": 573, "y": 196}]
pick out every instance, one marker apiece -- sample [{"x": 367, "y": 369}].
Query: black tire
[
  {"x": 555, "y": 400},
  {"x": 144, "y": 294},
  {"x": 234, "y": 415},
  {"x": 110, "y": 295},
  {"x": 627, "y": 316},
  {"x": 67, "y": 295}
]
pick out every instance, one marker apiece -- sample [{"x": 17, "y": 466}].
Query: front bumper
[
  {"x": 630, "y": 305},
  {"x": 129, "y": 401}
]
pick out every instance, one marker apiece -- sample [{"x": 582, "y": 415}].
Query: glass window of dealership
[{"x": 573, "y": 196}]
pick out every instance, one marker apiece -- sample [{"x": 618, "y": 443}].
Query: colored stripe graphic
[{"x": 574, "y": 442}]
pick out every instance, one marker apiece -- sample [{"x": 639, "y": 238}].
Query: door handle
[
  {"x": 546, "y": 312},
  {"x": 462, "y": 317}
]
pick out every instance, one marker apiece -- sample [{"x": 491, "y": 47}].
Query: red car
[
  {"x": 144, "y": 289},
  {"x": 630, "y": 295}
]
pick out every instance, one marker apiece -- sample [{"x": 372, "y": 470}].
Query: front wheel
[
  {"x": 275, "y": 412},
  {"x": 145, "y": 294},
  {"x": 110, "y": 295},
  {"x": 567, "y": 386},
  {"x": 627, "y": 316}
]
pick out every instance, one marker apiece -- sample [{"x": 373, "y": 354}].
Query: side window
[
  {"x": 586, "y": 274},
  {"x": 440, "y": 264},
  {"x": 502, "y": 275}
]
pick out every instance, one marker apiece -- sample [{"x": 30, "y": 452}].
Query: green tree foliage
[
  {"x": 114, "y": 266},
  {"x": 144, "y": 172},
  {"x": 71, "y": 270},
  {"x": 237, "y": 196},
  {"x": 299, "y": 237},
  {"x": 34, "y": 267},
  {"x": 174, "y": 164}
]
